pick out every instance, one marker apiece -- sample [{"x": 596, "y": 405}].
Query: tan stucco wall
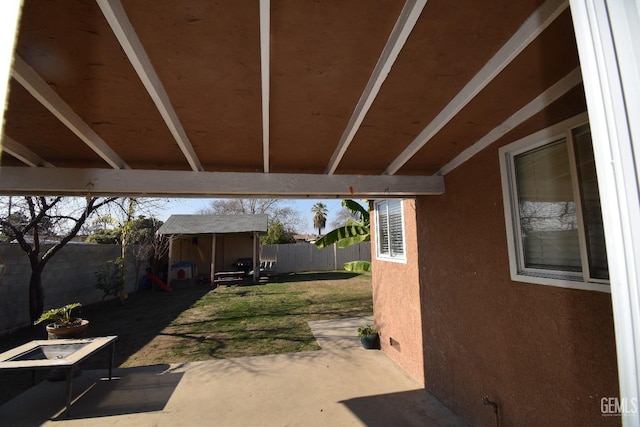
[
  {"x": 545, "y": 354},
  {"x": 396, "y": 295}
]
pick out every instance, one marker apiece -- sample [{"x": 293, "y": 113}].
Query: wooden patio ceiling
[{"x": 283, "y": 98}]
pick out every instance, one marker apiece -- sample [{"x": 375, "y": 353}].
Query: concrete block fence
[{"x": 68, "y": 277}]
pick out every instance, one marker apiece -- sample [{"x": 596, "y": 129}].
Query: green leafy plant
[
  {"x": 61, "y": 316},
  {"x": 110, "y": 279},
  {"x": 365, "y": 331},
  {"x": 355, "y": 231}
]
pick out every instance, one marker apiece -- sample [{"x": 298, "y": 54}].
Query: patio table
[
  {"x": 229, "y": 276},
  {"x": 61, "y": 353}
]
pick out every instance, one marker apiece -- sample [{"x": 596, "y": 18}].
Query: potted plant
[
  {"x": 62, "y": 324},
  {"x": 369, "y": 337}
]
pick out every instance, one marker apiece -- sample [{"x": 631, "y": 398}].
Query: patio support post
[
  {"x": 256, "y": 270},
  {"x": 213, "y": 258},
  {"x": 607, "y": 32},
  {"x": 170, "y": 261}
]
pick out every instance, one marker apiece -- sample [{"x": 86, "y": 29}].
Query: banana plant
[{"x": 355, "y": 231}]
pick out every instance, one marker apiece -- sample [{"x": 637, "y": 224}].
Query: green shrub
[
  {"x": 365, "y": 331},
  {"x": 110, "y": 278}
]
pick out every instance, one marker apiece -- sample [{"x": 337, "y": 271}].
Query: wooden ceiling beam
[
  {"x": 540, "y": 102},
  {"x": 22, "y": 153},
  {"x": 265, "y": 37},
  {"x": 40, "y": 90},
  {"x": 154, "y": 183},
  {"x": 530, "y": 29},
  {"x": 401, "y": 30},
  {"x": 126, "y": 35}
]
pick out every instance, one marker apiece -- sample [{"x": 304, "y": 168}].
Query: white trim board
[
  {"x": 265, "y": 38},
  {"x": 126, "y": 35},
  {"x": 401, "y": 31},
  {"x": 532, "y": 27},
  {"x": 607, "y": 32},
  {"x": 543, "y": 100},
  {"x": 22, "y": 153},
  {"x": 40, "y": 90},
  {"x": 81, "y": 182}
]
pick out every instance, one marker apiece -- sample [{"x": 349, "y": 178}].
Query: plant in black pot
[
  {"x": 62, "y": 324},
  {"x": 369, "y": 337}
]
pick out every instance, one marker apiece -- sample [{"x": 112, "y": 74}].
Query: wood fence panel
[{"x": 293, "y": 258}]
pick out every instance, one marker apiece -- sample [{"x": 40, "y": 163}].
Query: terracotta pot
[{"x": 68, "y": 331}]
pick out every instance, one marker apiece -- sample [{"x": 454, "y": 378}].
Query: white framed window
[
  {"x": 552, "y": 208},
  {"x": 390, "y": 230}
]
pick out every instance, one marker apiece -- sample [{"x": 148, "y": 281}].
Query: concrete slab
[
  {"x": 341, "y": 384},
  {"x": 340, "y": 333}
]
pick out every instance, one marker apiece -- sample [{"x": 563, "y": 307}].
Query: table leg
[
  {"x": 113, "y": 355},
  {"x": 69, "y": 390}
]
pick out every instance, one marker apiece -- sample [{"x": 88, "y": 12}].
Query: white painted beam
[
  {"x": 22, "y": 153},
  {"x": 126, "y": 35},
  {"x": 540, "y": 102},
  {"x": 530, "y": 29},
  {"x": 39, "y": 89},
  {"x": 81, "y": 182},
  {"x": 403, "y": 27},
  {"x": 607, "y": 34},
  {"x": 265, "y": 37},
  {"x": 9, "y": 20}
]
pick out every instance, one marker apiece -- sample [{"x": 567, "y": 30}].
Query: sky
[{"x": 303, "y": 206}]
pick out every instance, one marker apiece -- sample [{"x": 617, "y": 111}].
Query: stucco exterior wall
[
  {"x": 545, "y": 354},
  {"x": 396, "y": 296}
]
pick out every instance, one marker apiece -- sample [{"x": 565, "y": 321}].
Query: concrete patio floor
[{"x": 340, "y": 385}]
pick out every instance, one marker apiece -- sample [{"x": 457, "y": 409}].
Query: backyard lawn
[{"x": 200, "y": 323}]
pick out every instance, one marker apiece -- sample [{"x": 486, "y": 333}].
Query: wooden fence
[{"x": 299, "y": 257}]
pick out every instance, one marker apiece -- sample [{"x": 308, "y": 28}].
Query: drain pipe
[{"x": 487, "y": 402}]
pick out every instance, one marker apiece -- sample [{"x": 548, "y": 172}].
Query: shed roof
[{"x": 209, "y": 224}]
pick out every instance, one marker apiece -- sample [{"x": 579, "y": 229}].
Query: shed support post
[
  {"x": 213, "y": 258},
  {"x": 256, "y": 264},
  {"x": 170, "y": 260}
]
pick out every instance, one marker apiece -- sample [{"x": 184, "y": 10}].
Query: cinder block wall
[{"x": 68, "y": 277}]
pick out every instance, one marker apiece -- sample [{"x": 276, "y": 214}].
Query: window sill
[
  {"x": 391, "y": 259},
  {"x": 561, "y": 282}
]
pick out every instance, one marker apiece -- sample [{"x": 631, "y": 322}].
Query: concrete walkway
[{"x": 340, "y": 385}]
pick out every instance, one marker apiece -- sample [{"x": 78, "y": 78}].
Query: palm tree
[{"x": 320, "y": 216}]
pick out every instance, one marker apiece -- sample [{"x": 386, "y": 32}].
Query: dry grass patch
[
  {"x": 199, "y": 323},
  {"x": 257, "y": 320}
]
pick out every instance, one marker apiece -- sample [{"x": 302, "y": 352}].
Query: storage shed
[{"x": 211, "y": 243}]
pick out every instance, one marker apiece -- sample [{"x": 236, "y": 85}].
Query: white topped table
[{"x": 63, "y": 353}]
